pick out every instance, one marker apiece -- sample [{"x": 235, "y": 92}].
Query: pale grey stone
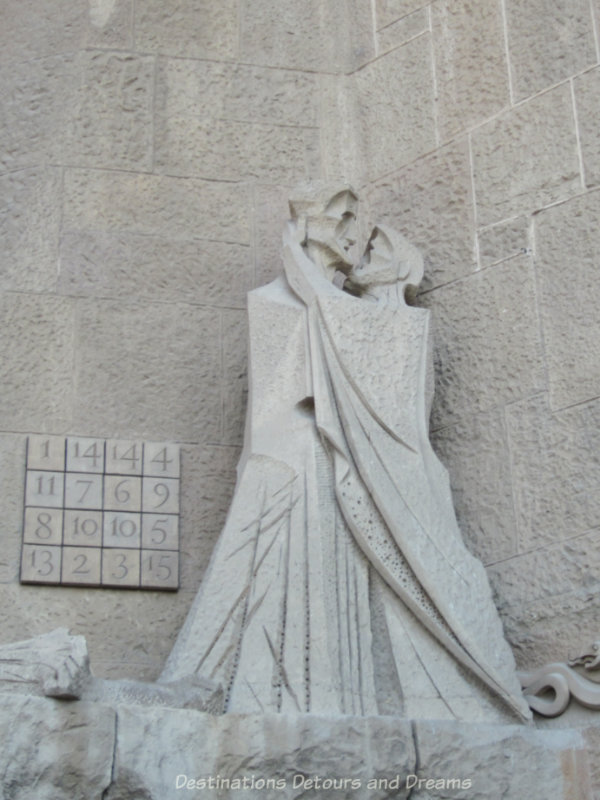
[
  {"x": 236, "y": 92},
  {"x": 499, "y": 242},
  {"x": 58, "y": 750},
  {"x": 431, "y": 202},
  {"x": 496, "y": 358},
  {"x": 555, "y": 468},
  {"x": 270, "y": 207},
  {"x": 340, "y": 139},
  {"x": 389, "y": 11},
  {"x": 12, "y": 479},
  {"x": 395, "y": 108},
  {"x": 177, "y": 208},
  {"x": 468, "y": 39},
  {"x": 477, "y": 455},
  {"x": 548, "y": 41},
  {"x": 193, "y": 30},
  {"x": 568, "y": 234},
  {"x": 141, "y": 267},
  {"x": 37, "y": 361},
  {"x": 234, "y": 151},
  {"x": 521, "y": 165},
  {"x": 587, "y": 97},
  {"x": 402, "y": 30},
  {"x": 147, "y": 369},
  {"x": 235, "y": 381},
  {"x": 29, "y": 229}
]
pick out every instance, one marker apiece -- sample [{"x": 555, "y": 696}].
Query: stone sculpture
[{"x": 340, "y": 583}]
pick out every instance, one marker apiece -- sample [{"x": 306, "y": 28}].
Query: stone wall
[{"x": 147, "y": 150}]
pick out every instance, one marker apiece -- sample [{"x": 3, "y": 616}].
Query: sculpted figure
[{"x": 340, "y": 583}]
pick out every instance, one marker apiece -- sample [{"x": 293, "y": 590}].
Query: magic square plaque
[{"x": 101, "y": 512}]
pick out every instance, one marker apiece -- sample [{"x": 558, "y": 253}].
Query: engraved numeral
[
  {"x": 161, "y": 458},
  {"x": 79, "y": 570},
  {"x": 45, "y": 556},
  {"x": 44, "y": 531},
  {"x": 122, "y": 566},
  {"x": 91, "y": 452}
]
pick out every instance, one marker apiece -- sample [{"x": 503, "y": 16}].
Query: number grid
[{"x": 101, "y": 513}]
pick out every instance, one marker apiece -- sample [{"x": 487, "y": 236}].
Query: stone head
[{"x": 389, "y": 258}]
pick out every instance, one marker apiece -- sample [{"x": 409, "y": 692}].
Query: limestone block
[
  {"x": 37, "y": 359},
  {"x": 12, "y": 476},
  {"x": 497, "y": 761},
  {"x": 341, "y": 147},
  {"x": 548, "y": 41},
  {"x": 274, "y": 747},
  {"x": 34, "y": 29},
  {"x": 226, "y": 150},
  {"x": 208, "y": 478},
  {"x": 431, "y": 202},
  {"x": 141, "y": 267},
  {"x": 240, "y": 92},
  {"x": 29, "y": 227},
  {"x": 468, "y": 40},
  {"x": 587, "y": 97},
  {"x": 526, "y": 158},
  {"x": 193, "y": 30},
  {"x": 176, "y": 208},
  {"x": 492, "y": 358},
  {"x": 568, "y": 236},
  {"x": 402, "y": 30},
  {"x": 235, "y": 380},
  {"x": 147, "y": 370},
  {"x": 57, "y": 750},
  {"x": 109, "y": 115},
  {"x": 504, "y": 240},
  {"x": 395, "y": 102},
  {"x": 477, "y": 456},
  {"x": 556, "y": 470},
  {"x": 270, "y": 208},
  {"x": 388, "y": 11}
]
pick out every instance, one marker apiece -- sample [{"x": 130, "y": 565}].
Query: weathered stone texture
[
  {"x": 29, "y": 229},
  {"x": 548, "y": 41},
  {"x": 587, "y": 98},
  {"x": 431, "y": 203},
  {"x": 395, "y": 108},
  {"x": 388, "y": 11},
  {"x": 504, "y": 240},
  {"x": 141, "y": 267},
  {"x": 476, "y": 452},
  {"x": 176, "y": 208},
  {"x": 402, "y": 30},
  {"x": 556, "y": 470},
  {"x": 567, "y": 238},
  {"x": 494, "y": 357},
  {"x": 235, "y": 380},
  {"x": 201, "y": 29},
  {"x": 147, "y": 369},
  {"x": 468, "y": 41},
  {"x": 34, "y": 28},
  {"x": 37, "y": 361},
  {"x": 270, "y": 210},
  {"x": 340, "y": 145},
  {"x": 52, "y": 750},
  {"x": 522, "y": 164},
  {"x": 12, "y": 467}
]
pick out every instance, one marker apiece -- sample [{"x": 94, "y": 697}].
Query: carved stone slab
[{"x": 101, "y": 513}]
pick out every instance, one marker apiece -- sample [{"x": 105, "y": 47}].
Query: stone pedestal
[{"x": 76, "y": 750}]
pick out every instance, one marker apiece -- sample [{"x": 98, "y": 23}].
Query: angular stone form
[{"x": 340, "y": 583}]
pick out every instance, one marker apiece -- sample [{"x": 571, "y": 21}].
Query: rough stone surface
[
  {"x": 271, "y": 206},
  {"x": 587, "y": 96},
  {"x": 548, "y": 40},
  {"x": 468, "y": 40},
  {"x": 402, "y": 30},
  {"x": 497, "y": 358},
  {"x": 12, "y": 474},
  {"x": 502, "y": 241},
  {"x": 141, "y": 267},
  {"x": 520, "y": 165},
  {"x": 431, "y": 202},
  {"x": 176, "y": 208},
  {"x": 59, "y": 750},
  {"x": 29, "y": 229},
  {"x": 568, "y": 234},
  {"x": 235, "y": 381},
  {"x": 388, "y": 11},
  {"x": 556, "y": 470},
  {"x": 477, "y": 453},
  {"x": 189, "y": 30},
  {"x": 37, "y": 362},
  {"x": 395, "y": 107},
  {"x": 158, "y": 363}
]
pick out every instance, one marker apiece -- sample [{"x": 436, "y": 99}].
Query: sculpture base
[{"x": 57, "y": 749}]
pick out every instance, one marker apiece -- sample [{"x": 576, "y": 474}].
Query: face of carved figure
[
  {"x": 388, "y": 258},
  {"x": 334, "y": 231}
]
